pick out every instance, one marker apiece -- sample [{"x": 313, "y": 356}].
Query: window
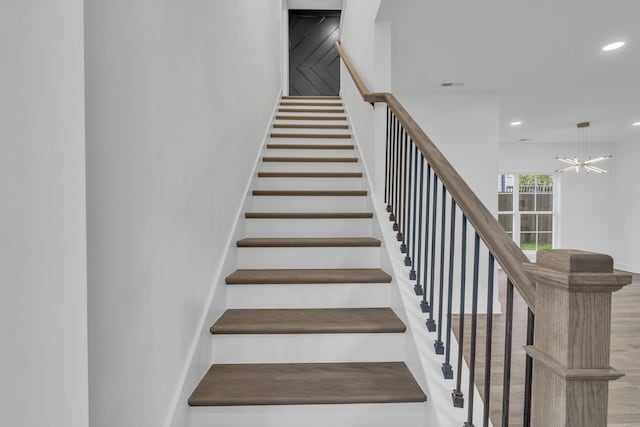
[{"x": 525, "y": 209}]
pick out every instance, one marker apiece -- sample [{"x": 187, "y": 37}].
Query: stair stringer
[
  {"x": 199, "y": 356},
  {"x": 420, "y": 356}
]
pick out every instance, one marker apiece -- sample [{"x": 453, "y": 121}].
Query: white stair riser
[
  {"x": 361, "y": 227},
  {"x": 310, "y": 122},
  {"x": 312, "y": 131},
  {"x": 334, "y": 295},
  {"x": 317, "y": 111},
  {"x": 310, "y": 166},
  {"x": 310, "y": 184},
  {"x": 358, "y": 415},
  {"x": 322, "y": 141},
  {"x": 313, "y": 107},
  {"x": 306, "y": 152},
  {"x": 312, "y": 100},
  {"x": 309, "y": 203},
  {"x": 359, "y": 257},
  {"x": 307, "y": 348}
]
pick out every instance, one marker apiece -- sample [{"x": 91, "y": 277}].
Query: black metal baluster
[
  {"x": 392, "y": 166},
  {"x": 412, "y": 273},
  {"x": 528, "y": 373},
  {"x": 404, "y": 248},
  {"x": 438, "y": 345},
  {"x": 431, "y": 324},
  {"x": 418, "y": 288},
  {"x": 387, "y": 172},
  {"x": 424, "y": 305},
  {"x": 489, "y": 333},
  {"x": 457, "y": 396},
  {"x": 447, "y": 370},
  {"x": 474, "y": 327},
  {"x": 403, "y": 194},
  {"x": 506, "y": 380},
  {"x": 394, "y": 205}
]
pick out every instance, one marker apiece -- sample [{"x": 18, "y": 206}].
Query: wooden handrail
[{"x": 504, "y": 249}]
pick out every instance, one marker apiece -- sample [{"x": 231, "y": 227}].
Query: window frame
[{"x": 516, "y": 213}]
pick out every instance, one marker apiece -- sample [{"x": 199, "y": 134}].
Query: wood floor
[{"x": 624, "y": 394}]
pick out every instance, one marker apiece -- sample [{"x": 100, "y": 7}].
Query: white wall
[
  {"x": 43, "y": 337},
  {"x": 625, "y": 206},
  {"x": 357, "y": 35},
  {"x": 465, "y": 129},
  {"x": 583, "y": 205},
  {"x": 179, "y": 95}
]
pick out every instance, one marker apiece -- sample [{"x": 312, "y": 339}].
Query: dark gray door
[{"x": 314, "y": 64}]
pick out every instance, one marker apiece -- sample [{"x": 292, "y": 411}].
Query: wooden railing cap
[{"x": 574, "y": 261}]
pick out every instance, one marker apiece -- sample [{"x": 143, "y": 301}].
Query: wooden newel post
[{"x": 571, "y": 370}]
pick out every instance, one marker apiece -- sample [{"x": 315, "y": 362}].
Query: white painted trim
[
  {"x": 285, "y": 47},
  {"x": 217, "y": 278}
]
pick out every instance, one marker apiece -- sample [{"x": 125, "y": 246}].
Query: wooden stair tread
[
  {"x": 280, "y": 117},
  {"x": 271, "y": 159},
  {"x": 313, "y": 193},
  {"x": 308, "y": 215},
  {"x": 307, "y": 276},
  {"x": 312, "y": 110},
  {"x": 301, "y": 103},
  {"x": 307, "y": 242},
  {"x": 310, "y": 174},
  {"x": 309, "y": 97},
  {"x": 308, "y": 126},
  {"x": 311, "y": 146},
  {"x": 308, "y": 321},
  {"x": 306, "y": 383},
  {"x": 312, "y": 135}
]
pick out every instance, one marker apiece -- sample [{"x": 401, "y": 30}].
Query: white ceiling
[{"x": 543, "y": 57}]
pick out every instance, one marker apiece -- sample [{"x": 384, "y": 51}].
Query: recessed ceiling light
[
  {"x": 613, "y": 46},
  {"x": 635, "y": 124},
  {"x": 516, "y": 123}
]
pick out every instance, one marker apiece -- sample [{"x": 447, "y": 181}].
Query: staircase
[{"x": 309, "y": 337}]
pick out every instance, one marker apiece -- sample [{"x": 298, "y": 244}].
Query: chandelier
[{"x": 583, "y": 153}]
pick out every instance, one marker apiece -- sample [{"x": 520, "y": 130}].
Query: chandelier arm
[
  {"x": 599, "y": 159},
  {"x": 567, "y": 169},
  {"x": 595, "y": 169},
  {"x": 567, "y": 160}
]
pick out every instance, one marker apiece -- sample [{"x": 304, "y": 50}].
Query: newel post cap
[
  {"x": 574, "y": 261},
  {"x": 577, "y": 271}
]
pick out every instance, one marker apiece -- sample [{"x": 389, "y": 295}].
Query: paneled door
[{"x": 314, "y": 64}]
